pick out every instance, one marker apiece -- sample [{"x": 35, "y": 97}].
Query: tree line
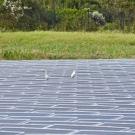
[{"x": 67, "y": 15}]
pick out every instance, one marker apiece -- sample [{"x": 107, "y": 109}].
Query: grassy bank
[{"x": 66, "y": 45}]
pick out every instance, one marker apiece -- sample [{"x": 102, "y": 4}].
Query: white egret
[
  {"x": 46, "y": 75},
  {"x": 73, "y": 74}
]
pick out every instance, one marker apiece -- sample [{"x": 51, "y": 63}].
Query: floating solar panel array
[{"x": 73, "y": 97}]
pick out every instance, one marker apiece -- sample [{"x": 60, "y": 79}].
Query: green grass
[{"x": 66, "y": 45}]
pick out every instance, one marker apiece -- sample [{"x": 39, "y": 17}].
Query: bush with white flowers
[
  {"x": 98, "y": 18},
  {"x": 14, "y": 7}
]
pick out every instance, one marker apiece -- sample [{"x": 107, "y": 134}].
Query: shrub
[{"x": 74, "y": 20}]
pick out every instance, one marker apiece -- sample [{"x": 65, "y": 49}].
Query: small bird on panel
[{"x": 73, "y": 74}]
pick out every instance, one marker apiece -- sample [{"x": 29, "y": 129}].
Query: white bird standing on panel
[
  {"x": 73, "y": 74},
  {"x": 46, "y": 75}
]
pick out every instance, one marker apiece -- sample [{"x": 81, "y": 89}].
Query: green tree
[{"x": 1, "y": 2}]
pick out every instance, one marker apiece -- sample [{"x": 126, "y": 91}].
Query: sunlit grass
[{"x": 66, "y": 45}]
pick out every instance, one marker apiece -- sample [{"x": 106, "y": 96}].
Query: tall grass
[{"x": 66, "y": 45}]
